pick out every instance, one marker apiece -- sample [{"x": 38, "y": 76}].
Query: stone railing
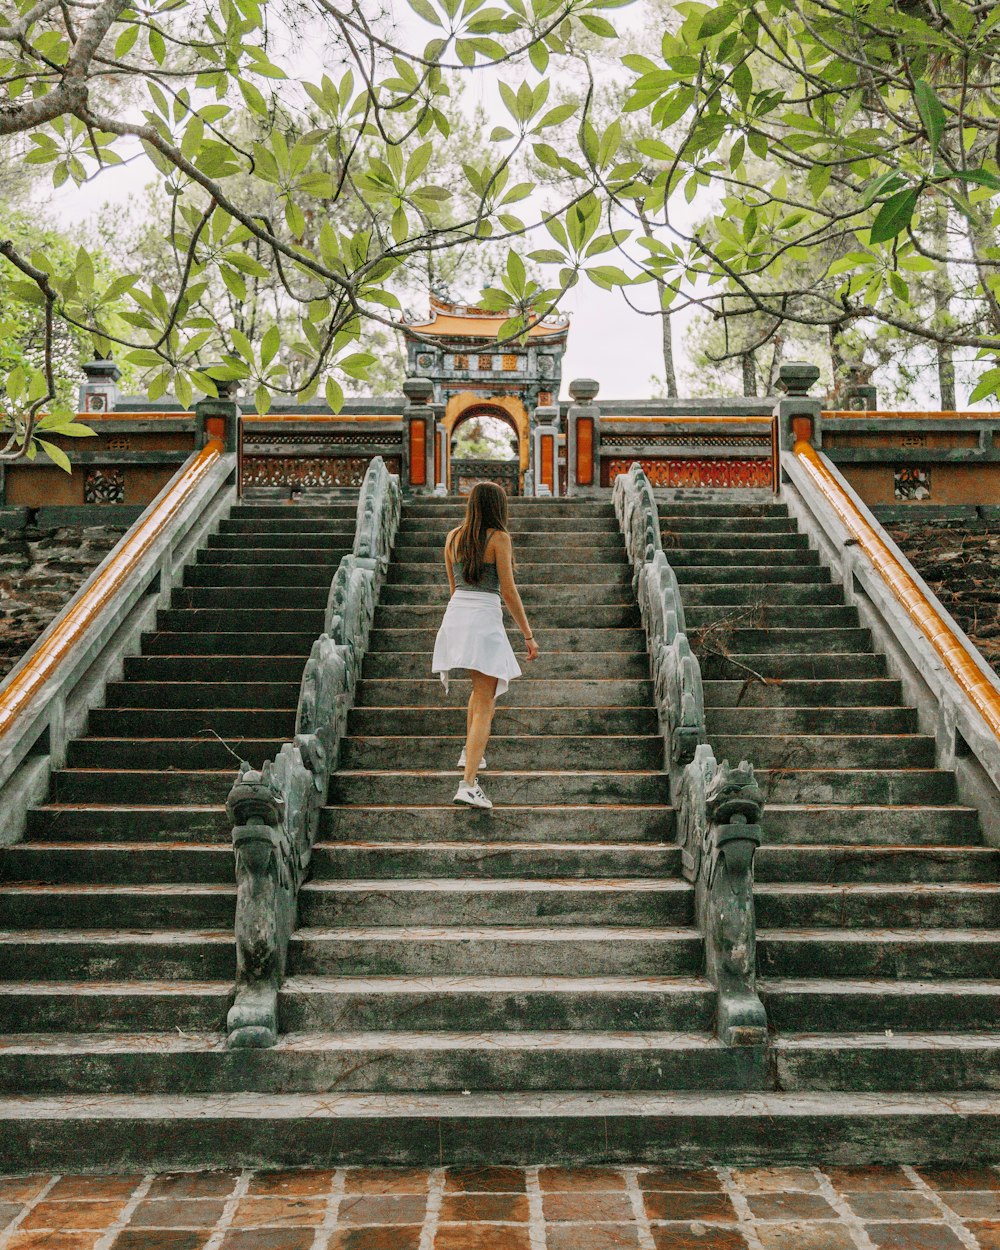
[
  {"x": 275, "y": 812},
  {"x": 718, "y": 807}
]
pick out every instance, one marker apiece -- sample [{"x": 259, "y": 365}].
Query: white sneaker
[
  {"x": 472, "y": 796},
  {"x": 461, "y": 761}
]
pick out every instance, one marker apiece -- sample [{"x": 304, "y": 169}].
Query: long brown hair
[{"x": 485, "y": 511}]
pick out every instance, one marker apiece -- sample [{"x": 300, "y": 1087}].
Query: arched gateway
[{"x": 470, "y": 376}]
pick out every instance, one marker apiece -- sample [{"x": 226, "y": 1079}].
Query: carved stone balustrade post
[
  {"x": 545, "y": 450},
  {"x": 583, "y": 438}
]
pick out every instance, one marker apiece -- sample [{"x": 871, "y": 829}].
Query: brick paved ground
[{"x": 548, "y": 1208}]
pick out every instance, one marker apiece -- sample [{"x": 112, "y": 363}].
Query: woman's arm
[
  {"x": 503, "y": 553},
  {"x": 447, "y": 561}
]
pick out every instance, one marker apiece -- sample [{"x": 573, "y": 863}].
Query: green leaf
[
  {"x": 894, "y": 215},
  {"x": 715, "y": 21},
  {"x": 931, "y": 111},
  {"x": 269, "y": 345},
  {"x": 980, "y": 176},
  {"x": 334, "y": 395},
  {"x": 56, "y": 455},
  {"x": 126, "y": 41}
]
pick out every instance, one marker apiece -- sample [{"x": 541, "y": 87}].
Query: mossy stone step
[
  {"x": 573, "y": 823},
  {"x": 192, "y": 693},
  {"x": 507, "y": 721},
  {"x": 755, "y": 721},
  {"x": 867, "y": 864},
  {"x": 244, "y": 621},
  {"x": 591, "y": 574},
  {"x": 924, "y": 905},
  {"x": 184, "y": 905},
  {"x": 394, "y": 688},
  {"x": 118, "y": 955},
  {"x": 829, "y": 693},
  {"x": 902, "y": 1063},
  {"x": 231, "y": 724},
  {"x": 551, "y": 666},
  {"x": 868, "y": 1005},
  {"x": 682, "y": 1004},
  {"x": 730, "y": 598},
  {"x": 125, "y": 863},
  {"x": 893, "y": 786},
  {"x": 496, "y": 950},
  {"x": 737, "y": 617},
  {"x": 261, "y": 644},
  {"x": 99, "y": 822},
  {"x": 912, "y": 954},
  {"x": 531, "y": 788},
  {"x": 871, "y": 825},
  {"x": 801, "y": 750},
  {"x": 276, "y": 597},
  {"x": 107, "y": 1006},
  {"x": 314, "y": 1062},
  {"x": 723, "y": 659},
  {"x": 507, "y": 751}
]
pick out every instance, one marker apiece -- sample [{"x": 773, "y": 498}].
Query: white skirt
[{"x": 472, "y": 635}]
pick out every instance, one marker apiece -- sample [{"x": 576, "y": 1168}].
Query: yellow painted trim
[
  {"x": 72, "y": 628},
  {"x": 509, "y": 406},
  {"x": 919, "y": 609}
]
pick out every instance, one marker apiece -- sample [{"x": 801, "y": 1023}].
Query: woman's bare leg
[{"x": 480, "y": 721}]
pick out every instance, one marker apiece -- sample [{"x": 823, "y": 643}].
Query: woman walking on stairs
[{"x": 479, "y": 558}]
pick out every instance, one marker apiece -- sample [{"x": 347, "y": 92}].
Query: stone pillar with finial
[
  {"x": 418, "y": 436},
  {"x": 99, "y": 393},
  {"x": 583, "y": 438},
  {"x": 544, "y": 467},
  {"x": 797, "y": 412},
  {"x": 218, "y": 417}
]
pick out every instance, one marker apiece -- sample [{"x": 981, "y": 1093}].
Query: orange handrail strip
[
  {"x": 927, "y": 619},
  {"x": 74, "y": 625},
  {"x": 763, "y": 419},
  {"x": 889, "y": 414}
]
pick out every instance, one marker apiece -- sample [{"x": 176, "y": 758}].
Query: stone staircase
[
  {"x": 518, "y": 985},
  {"x": 117, "y": 950},
  {"x": 878, "y": 906},
  {"x": 548, "y": 944}
]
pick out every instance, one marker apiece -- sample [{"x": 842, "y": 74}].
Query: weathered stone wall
[
  {"x": 41, "y": 567},
  {"x": 959, "y": 557}
]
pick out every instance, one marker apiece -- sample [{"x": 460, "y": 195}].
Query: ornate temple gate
[{"x": 466, "y": 473}]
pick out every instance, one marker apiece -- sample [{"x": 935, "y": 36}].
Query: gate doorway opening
[{"x": 485, "y": 442}]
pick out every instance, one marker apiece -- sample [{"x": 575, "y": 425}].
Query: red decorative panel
[
  {"x": 309, "y": 472},
  {"x": 547, "y": 450},
  {"x": 418, "y": 451},
  {"x": 691, "y": 471},
  {"x": 585, "y": 451}
]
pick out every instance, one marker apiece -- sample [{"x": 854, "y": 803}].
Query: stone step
[
  {"x": 213, "y": 668},
  {"x": 823, "y": 693},
  {"x": 438, "y": 527},
  {"x": 722, "y": 659},
  {"x": 506, "y": 751},
  {"x": 576, "y": 824},
  {"x": 525, "y": 1004},
  {"x": 125, "y": 863},
  {"x": 911, "y": 954},
  {"x": 374, "y": 860},
  {"x": 844, "y": 1005},
  {"x": 677, "y": 504},
  {"x": 208, "y": 643},
  {"x": 245, "y": 556},
  {"x": 346, "y": 510},
  {"x": 556, "y": 621},
  {"x": 581, "y": 599},
  {"x": 527, "y": 692},
  {"x": 117, "y": 955},
  {"x": 856, "y": 864},
  {"x": 924, "y": 905},
  {"x": 809, "y": 720},
  {"x": 260, "y": 576},
  {"x": 731, "y": 597},
  {"x": 893, "y": 786},
  {"x": 770, "y": 616},
  {"x": 827, "y": 750},
  {"x": 289, "y": 527},
  {"x": 551, "y": 666},
  {"x": 864, "y": 825},
  {"x": 517, "y": 506},
  {"x": 170, "y": 753},
  {"x": 232, "y": 724},
  {"x": 614, "y": 576},
  {"x": 265, "y": 695},
  {"x": 725, "y": 523},
  {"x": 105, "y": 1006},
  {"x": 97, "y": 822},
  {"x": 496, "y": 950},
  {"x": 704, "y": 566},
  {"x": 804, "y": 570},
  {"x": 270, "y": 541},
  {"x": 545, "y": 789},
  {"x": 244, "y": 621},
  {"x": 904, "y": 1062},
  {"x": 390, "y": 635},
  {"x": 411, "y": 538},
  {"x": 511, "y": 900},
  {"x": 117, "y": 1131},
  {"x": 276, "y": 599},
  {"x": 185, "y": 905},
  {"x": 507, "y": 721},
  {"x": 537, "y": 550},
  {"x": 179, "y": 787},
  {"x": 314, "y": 1062},
  {"x": 701, "y": 543},
  {"x": 782, "y": 643}
]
